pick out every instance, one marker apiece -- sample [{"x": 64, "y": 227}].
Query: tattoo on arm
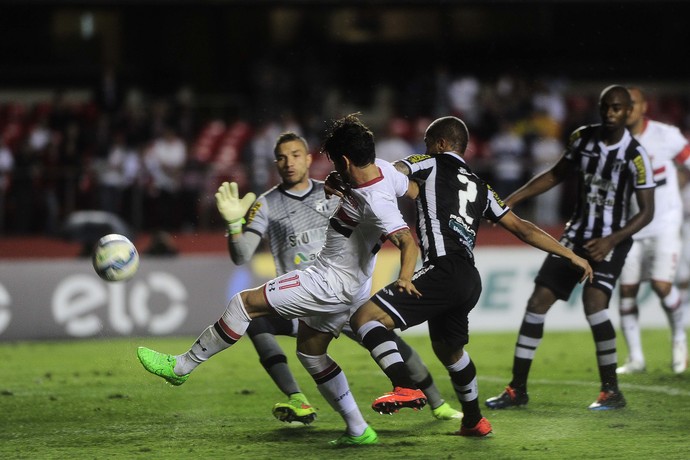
[
  {"x": 402, "y": 167},
  {"x": 398, "y": 237}
]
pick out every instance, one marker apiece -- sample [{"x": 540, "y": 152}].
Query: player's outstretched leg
[
  {"x": 160, "y": 364},
  {"x": 221, "y": 335}
]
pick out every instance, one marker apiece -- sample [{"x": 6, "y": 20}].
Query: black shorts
[
  {"x": 559, "y": 276},
  {"x": 450, "y": 288}
]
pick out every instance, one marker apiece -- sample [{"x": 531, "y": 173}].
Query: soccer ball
[{"x": 115, "y": 258}]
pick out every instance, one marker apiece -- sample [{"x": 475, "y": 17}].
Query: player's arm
[
  {"x": 541, "y": 182},
  {"x": 531, "y": 234},
  {"x": 409, "y": 251},
  {"x": 683, "y": 177},
  {"x": 598, "y": 248},
  {"x": 402, "y": 167},
  {"x": 242, "y": 246}
]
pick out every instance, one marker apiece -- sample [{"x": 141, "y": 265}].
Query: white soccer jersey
[
  {"x": 358, "y": 228},
  {"x": 666, "y": 147}
]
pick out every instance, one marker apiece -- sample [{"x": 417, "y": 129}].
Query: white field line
[{"x": 595, "y": 383}]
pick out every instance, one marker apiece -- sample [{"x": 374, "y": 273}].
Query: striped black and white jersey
[
  {"x": 607, "y": 177},
  {"x": 451, "y": 204},
  {"x": 295, "y": 225}
]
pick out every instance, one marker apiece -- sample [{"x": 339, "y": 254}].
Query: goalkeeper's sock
[{"x": 221, "y": 335}]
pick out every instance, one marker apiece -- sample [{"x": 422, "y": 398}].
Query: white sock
[
  {"x": 333, "y": 386},
  {"x": 219, "y": 336},
  {"x": 674, "y": 313},
  {"x": 630, "y": 326}
]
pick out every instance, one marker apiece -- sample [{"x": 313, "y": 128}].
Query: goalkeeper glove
[{"x": 231, "y": 207}]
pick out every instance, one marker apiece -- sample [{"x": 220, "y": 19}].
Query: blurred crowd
[{"x": 156, "y": 161}]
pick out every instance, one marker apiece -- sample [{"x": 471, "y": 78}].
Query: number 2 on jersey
[{"x": 466, "y": 196}]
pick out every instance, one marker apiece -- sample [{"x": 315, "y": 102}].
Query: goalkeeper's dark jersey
[
  {"x": 608, "y": 174},
  {"x": 451, "y": 205}
]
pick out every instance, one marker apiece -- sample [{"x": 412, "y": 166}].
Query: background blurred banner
[{"x": 60, "y": 299}]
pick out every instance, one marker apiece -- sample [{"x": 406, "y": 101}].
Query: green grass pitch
[{"x": 91, "y": 399}]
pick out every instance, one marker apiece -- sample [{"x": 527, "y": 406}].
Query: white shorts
[
  {"x": 652, "y": 259},
  {"x": 306, "y": 295},
  {"x": 683, "y": 274}
]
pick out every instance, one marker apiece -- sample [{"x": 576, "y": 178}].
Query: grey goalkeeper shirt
[{"x": 294, "y": 225}]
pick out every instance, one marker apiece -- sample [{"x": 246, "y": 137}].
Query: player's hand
[
  {"x": 582, "y": 264},
  {"x": 335, "y": 185},
  {"x": 407, "y": 286},
  {"x": 599, "y": 248},
  {"x": 230, "y": 205}
]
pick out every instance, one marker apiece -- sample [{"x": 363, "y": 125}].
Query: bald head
[
  {"x": 446, "y": 134},
  {"x": 615, "y": 90},
  {"x": 635, "y": 121}
]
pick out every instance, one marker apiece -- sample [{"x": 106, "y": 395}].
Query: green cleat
[
  {"x": 297, "y": 409},
  {"x": 445, "y": 412},
  {"x": 160, "y": 364},
  {"x": 347, "y": 440}
]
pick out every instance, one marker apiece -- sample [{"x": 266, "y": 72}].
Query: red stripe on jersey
[
  {"x": 373, "y": 181},
  {"x": 342, "y": 215},
  {"x": 660, "y": 170},
  {"x": 232, "y": 334},
  {"x": 683, "y": 156}
]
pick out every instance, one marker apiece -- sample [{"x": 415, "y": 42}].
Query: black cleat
[
  {"x": 509, "y": 398},
  {"x": 608, "y": 399}
]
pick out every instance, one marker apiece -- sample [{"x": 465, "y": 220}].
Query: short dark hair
[
  {"x": 452, "y": 129},
  {"x": 289, "y": 136},
  {"x": 349, "y": 137}
]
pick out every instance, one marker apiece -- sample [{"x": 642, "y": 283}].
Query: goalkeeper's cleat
[
  {"x": 400, "y": 397},
  {"x": 510, "y": 397},
  {"x": 680, "y": 356},
  {"x": 160, "y": 364},
  {"x": 347, "y": 440},
  {"x": 445, "y": 412},
  {"x": 481, "y": 429},
  {"x": 608, "y": 399},
  {"x": 631, "y": 367},
  {"x": 296, "y": 409}
]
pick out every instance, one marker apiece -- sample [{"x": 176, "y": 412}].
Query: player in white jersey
[
  {"x": 294, "y": 216},
  {"x": 323, "y": 294},
  {"x": 683, "y": 275},
  {"x": 656, "y": 249}
]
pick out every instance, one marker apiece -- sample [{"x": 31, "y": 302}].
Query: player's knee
[
  {"x": 370, "y": 312},
  {"x": 661, "y": 288},
  {"x": 314, "y": 363}
]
